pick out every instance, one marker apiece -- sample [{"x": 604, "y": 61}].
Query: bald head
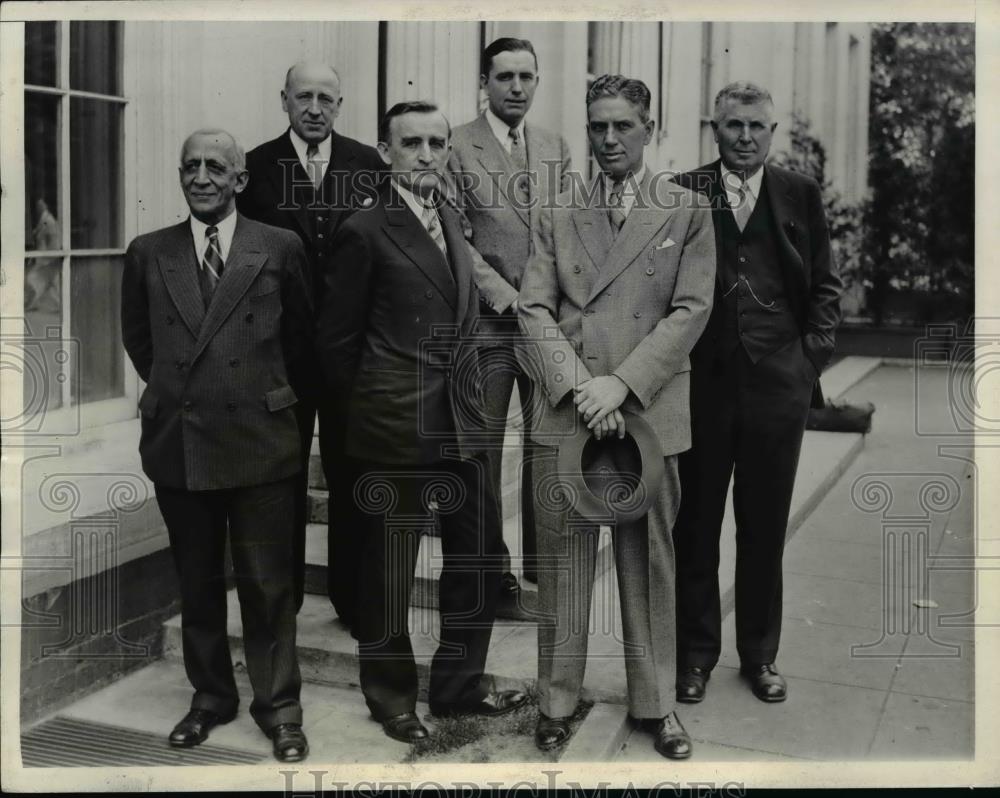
[
  {"x": 311, "y": 98},
  {"x": 224, "y": 140}
]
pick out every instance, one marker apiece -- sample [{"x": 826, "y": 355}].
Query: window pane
[
  {"x": 95, "y": 297},
  {"x": 41, "y": 172},
  {"x": 94, "y": 57},
  {"x": 44, "y": 361},
  {"x": 95, "y": 160},
  {"x": 40, "y": 48}
]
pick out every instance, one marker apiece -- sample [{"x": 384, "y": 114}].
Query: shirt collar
[
  {"x": 414, "y": 202},
  {"x": 501, "y": 130},
  {"x": 226, "y": 228},
  {"x": 630, "y": 189},
  {"x": 731, "y": 182},
  {"x": 302, "y": 147}
]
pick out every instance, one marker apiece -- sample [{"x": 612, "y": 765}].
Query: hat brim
[{"x": 607, "y": 509}]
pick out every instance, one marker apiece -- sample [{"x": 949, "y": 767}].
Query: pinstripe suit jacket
[
  {"x": 634, "y": 305},
  {"x": 502, "y": 228},
  {"x": 217, "y": 411}
]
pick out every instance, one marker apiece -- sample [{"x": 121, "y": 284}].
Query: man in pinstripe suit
[{"x": 217, "y": 320}]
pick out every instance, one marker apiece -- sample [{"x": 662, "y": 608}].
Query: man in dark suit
[
  {"x": 396, "y": 338},
  {"x": 753, "y": 370},
  {"x": 309, "y": 180},
  {"x": 506, "y": 170},
  {"x": 216, "y": 318}
]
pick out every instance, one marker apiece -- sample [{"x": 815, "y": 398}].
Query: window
[
  {"x": 74, "y": 115},
  {"x": 707, "y": 97}
]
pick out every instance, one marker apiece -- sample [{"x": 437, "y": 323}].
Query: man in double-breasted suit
[
  {"x": 396, "y": 338},
  {"x": 217, "y": 320},
  {"x": 769, "y": 336},
  {"x": 308, "y": 180},
  {"x": 506, "y": 170},
  {"x": 615, "y": 295}
]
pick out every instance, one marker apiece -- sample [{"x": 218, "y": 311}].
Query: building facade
[{"x": 106, "y": 105}]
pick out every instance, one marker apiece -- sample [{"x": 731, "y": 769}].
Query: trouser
[
  {"x": 259, "y": 520},
  {"x": 747, "y": 422}
]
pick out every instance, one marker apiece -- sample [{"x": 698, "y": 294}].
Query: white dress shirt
[
  {"x": 226, "y": 229},
  {"x": 628, "y": 191},
  {"x": 501, "y": 130},
  {"x": 731, "y": 182},
  {"x": 302, "y": 147}
]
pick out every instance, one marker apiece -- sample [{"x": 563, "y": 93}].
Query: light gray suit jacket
[
  {"x": 502, "y": 227},
  {"x": 634, "y": 305}
]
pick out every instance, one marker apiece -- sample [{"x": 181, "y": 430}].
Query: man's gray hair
[
  {"x": 742, "y": 92},
  {"x": 239, "y": 157}
]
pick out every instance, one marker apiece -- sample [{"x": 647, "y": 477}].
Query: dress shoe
[
  {"x": 195, "y": 726},
  {"x": 509, "y": 585},
  {"x": 765, "y": 681},
  {"x": 551, "y": 732},
  {"x": 290, "y": 744},
  {"x": 691, "y": 684},
  {"x": 672, "y": 741},
  {"x": 491, "y": 706},
  {"x": 406, "y": 728}
]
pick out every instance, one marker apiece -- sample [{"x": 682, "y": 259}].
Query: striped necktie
[
  {"x": 211, "y": 265},
  {"x": 433, "y": 225},
  {"x": 742, "y": 210},
  {"x": 315, "y": 165}
]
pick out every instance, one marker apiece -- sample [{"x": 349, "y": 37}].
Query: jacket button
[
  {"x": 742, "y": 259},
  {"x": 588, "y": 312},
  {"x": 576, "y": 268},
  {"x": 230, "y": 406},
  {"x": 170, "y": 319},
  {"x": 234, "y": 362},
  {"x": 320, "y": 235},
  {"x": 249, "y": 317},
  {"x": 188, "y": 406},
  {"x": 650, "y": 271},
  {"x": 179, "y": 365},
  {"x": 637, "y": 314},
  {"x": 429, "y": 294}
]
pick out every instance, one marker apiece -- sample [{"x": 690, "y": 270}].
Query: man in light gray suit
[
  {"x": 506, "y": 170},
  {"x": 613, "y": 299}
]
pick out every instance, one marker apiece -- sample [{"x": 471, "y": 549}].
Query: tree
[{"x": 920, "y": 220}]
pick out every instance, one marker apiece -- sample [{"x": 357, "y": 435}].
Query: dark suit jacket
[
  {"x": 217, "y": 411},
  {"x": 811, "y": 278},
  {"x": 279, "y": 192},
  {"x": 394, "y": 335}
]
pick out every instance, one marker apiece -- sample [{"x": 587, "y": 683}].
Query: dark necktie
[
  {"x": 211, "y": 265},
  {"x": 616, "y": 210}
]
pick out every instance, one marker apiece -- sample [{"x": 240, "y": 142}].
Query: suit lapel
[
  {"x": 407, "y": 233},
  {"x": 242, "y": 266},
  {"x": 286, "y": 175},
  {"x": 595, "y": 232},
  {"x": 336, "y": 182},
  {"x": 458, "y": 249},
  {"x": 640, "y": 226},
  {"x": 179, "y": 270},
  {"x": 784, "y": 209},
  {"x": 494, "y": 161}
]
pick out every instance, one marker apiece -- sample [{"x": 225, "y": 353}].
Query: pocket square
[{"x": 667, "y": 242}]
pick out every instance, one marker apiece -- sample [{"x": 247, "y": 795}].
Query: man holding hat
[{"x": 616, "y": 294}]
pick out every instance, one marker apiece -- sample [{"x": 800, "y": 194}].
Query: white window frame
[{"x": 105, "y": 411}]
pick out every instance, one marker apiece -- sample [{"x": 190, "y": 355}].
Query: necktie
[
  {"x": 315, "y": 165},
  {"x": 517, "y": 152},
  {"x": 211, "y": 265},
  {"x": 742, "y": 210},
  {"x": 433, "y": 225},
  {"x": 616, "y": 211}
]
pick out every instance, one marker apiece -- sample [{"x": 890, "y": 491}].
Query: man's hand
[
  {"x": 611, "y": 424},
  {"x": 598, "y": 397}
]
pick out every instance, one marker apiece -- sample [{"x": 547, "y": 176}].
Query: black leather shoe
[
  {"x": 290, "y": 744},
  {"x": 672, "y": 741},
  {"x": 195, "y": 726},
  {"x": 509, "y": 585},
  {"x": 493, "y": 705},
  {"x": 765, "y": 681},
  {"x": 691, "y": 684},
  {"x": 406, "y": 728},
  {"x": 551, "y": 732}
]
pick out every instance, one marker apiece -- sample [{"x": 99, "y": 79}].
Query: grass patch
[{"x": 508, "y": 738}]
